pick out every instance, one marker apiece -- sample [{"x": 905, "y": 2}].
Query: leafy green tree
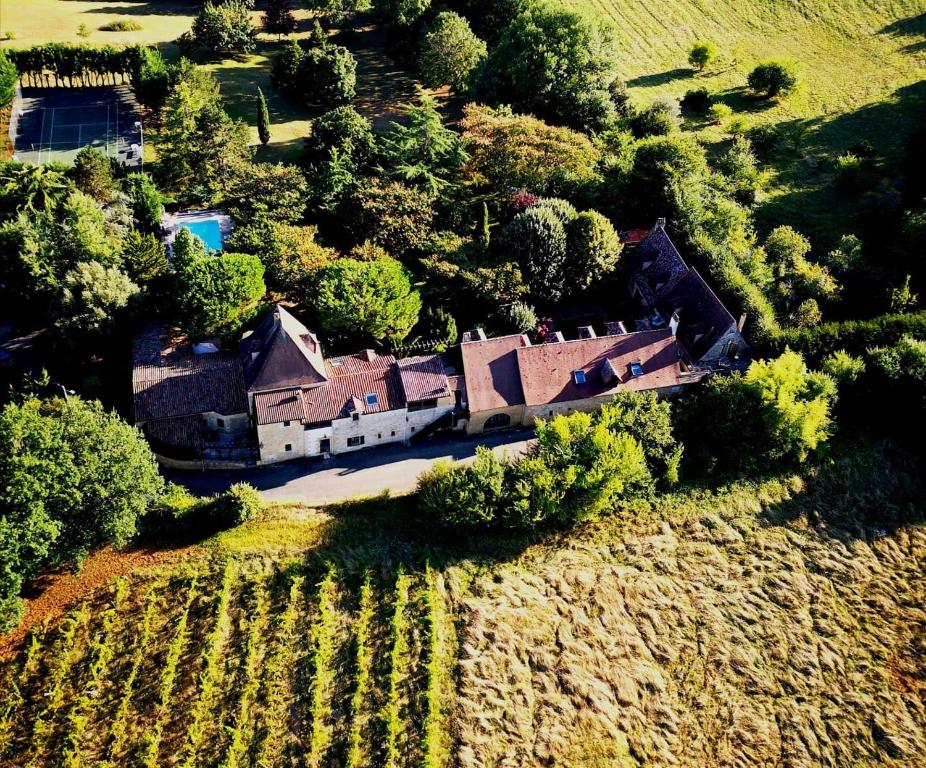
[
  {"x": 420, "y": 150},
  {"x": 797, "y": 278},
  {"x": 702, "y": 54},
  {"x": 509, "y": 151},
  {"x": 369, "y": 298},
  {"x": 93, "y": 173},
  {"x": 519, "y": 317},
  {"x": 267, "y": 190},
  {"x": 400, "y": 14},
  {"x": 897, "y": 385},
  {"x": 392, "y": 215},
  {"x": 741, "y": 169},
  {"x": 213, "y": 292},
  {"x": 225, "y": 27},
  {"x": 593, "y": 249},
  {"x": 9, "y": 77},
  {"x": 278, "y": 17},
  {"x": 83, "y": 232},
  {"x": 150, "y": 76},
  {"x": 536, "y": 239},
  {"x": 658, "y": 119},
  {"x": 437, "y": 325},
  {"x": 145, "y": 201},
  {"x": 330, "y": 74},
  {"x": 32, "y": 263},
  {"x": 285, "y": 68},
  {"x": 773, "y": 78},
  {"x": 263, "y": 118},
  {"x": 187, "y": 248},
  {"x": 342, "y": 12},
  {"x": 144, "y": 257},
  {"x": 464, "y": 495},
  {"x": 92, "y": 297},
  {"x": 555, "y": 63},
  {"x": 450, "y": 53},
  {"x": 74, "y": 477},
  {"x": 31, "y": 188}
]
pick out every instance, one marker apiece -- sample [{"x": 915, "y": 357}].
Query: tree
[
  {"x": 450, "y": 53},
  {"x": 284, "y": 72},
  {"x": 9, "y": 77},
  {"x": 741, "y": 169},
  {"x": 555, "y": 63},
  {"x": 225, "y": 27},
  {"x": 330, "y": 75},
  {"x": 92, "y": 296},
  {"x": 145, "y": 201},
  {"x": 278, "y": 17},
  {"x": 593, "y": 248},
  {"x": 263, "y": 118},
  {"x": 267, "y": 190},
  {"x": 83, "y": 232},
  {"x": 464, "y": 495},
  {"x": 773, "y": 78},
  {"x": 31, "y": 188},
  {"x": 536, "y": 239},
  {"x": 796, "y": 277},
  {"x": 144, "y": 257},
  {"x": 74, "y": 477},
  {"x": 509, "y": 151},
  {"x": 336, "y": 155},
  {"x": 702, "y": 54},
  {"x": 437, "y": 325},
  {"x": 392, "y": 215},
  {"x": 420, "y": 150},
  {"x": 93, "y": 173},
  {"x": 341, "y": 12},
  {"x": 898, "y": 386},
  {"x": 374, "y": 299},
  {"x": 658, "y": 119},
  {"x": 214, "y": 291},
  {"x": 400, "y": 14},
  {"x": 519, "y": 317}
]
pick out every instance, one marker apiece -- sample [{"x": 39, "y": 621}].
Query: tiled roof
[
  {"x": 423, "y": 378},
  {"x": 547, "y": 370},
  {"x": 633, "y": 236},
  {"x": 703, "y": 318},
  {"x": 169, "y": 380},
  {"x": 346, "y": 393},
  {"x": 180, "y": 432},
  {"x": 281, "y": 353},
  {"x": 278, "y": 406},
  {"x": 664, "y": 264},
  {"x": 491, "y": 370}
]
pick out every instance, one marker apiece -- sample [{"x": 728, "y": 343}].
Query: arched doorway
[{"x": 497, "y": 421}]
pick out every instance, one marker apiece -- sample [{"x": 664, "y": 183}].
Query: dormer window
[
  {"x": 636, "y": 369},
  {"x": 578, "y": 377},
  {"x": 371, "y": 400}
]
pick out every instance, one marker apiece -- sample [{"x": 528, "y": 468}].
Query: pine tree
[
  {"x": 263, "y": 118},
  {"x": 279, "y": 17}
]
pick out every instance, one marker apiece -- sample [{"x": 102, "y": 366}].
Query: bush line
[
  {"x": 363, "y": 665},
  {"x": 276, "y": 673}
]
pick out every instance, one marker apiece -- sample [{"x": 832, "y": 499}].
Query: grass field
[
  {"x": 861, "y": 64},
  {"x": 713, "y": 630}
]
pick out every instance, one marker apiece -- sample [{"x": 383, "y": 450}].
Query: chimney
[
  {"x": 615, "y": 329},
  {"x": 475, "y": 335},
  {"x": 554, "y": 337},
  {"x": 742, "y": 322},
  {"x": 587, "y": 332},
  {"x": 369, "y": 355},
  {"x": 660, "y": 223},
  {"x": 525, "y": 340},
  {"x": 673, "y": 323},
  {"x": 608, "y": 374}
]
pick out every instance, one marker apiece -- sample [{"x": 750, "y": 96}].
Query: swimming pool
[{"x": 207, "y": 230}]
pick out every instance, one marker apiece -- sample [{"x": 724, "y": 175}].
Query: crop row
[
  {"x": 363, "y": 664},
  {"x": 398, "y": 662},
  {"x": 321, "y": 655}
]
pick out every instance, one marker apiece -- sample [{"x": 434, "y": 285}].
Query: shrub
[
  {"x": 450, "y": 52},
  {"x": 121, "y": 25},
  {"x": 697, "y": 100},
  {"x": 519, "y": 317},
  {"x": 463, "y": 495},
  {"x": 8, "y": 79},
  {"x": 702, "y": 54},
  {"x": 773, "y": 78},
  {"x": 225, "y": 28},
  {"x": 658, "y": 119},
  {"x": 330, "y": 76},
  {"x": 278, "y": 17},
  {"x": 720, "y": 112},
  {"x": 765, "y": 138}
]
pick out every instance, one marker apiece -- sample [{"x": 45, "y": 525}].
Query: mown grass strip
[
  {"x": 434, "y": 741},
  {"x": 277, "y": 670},
  {"x": 211, "y": 671},
  {"x": 101, "y": 653},
  {"x": 152, "y": 742},
  {"x": 398, "y": 661},
  {"x": 321, "y": 650},
  {"x": 363, "y": 665},
  {"x": 243, "y": 729},
  {"x": 68, "y": 652},
  {"x": 118, "y": 731}
]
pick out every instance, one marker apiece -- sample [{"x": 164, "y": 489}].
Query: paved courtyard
[{"x": 365, "y": 473}]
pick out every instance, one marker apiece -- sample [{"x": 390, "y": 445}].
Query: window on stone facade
[
  {"x": 379, "y": 436},
  {"x": 356, "y": 416},
  {"x": 393, "y": 433},
  {"x": 288, "y": 447},
  {"x": 220, "y": 423},
  {"x": 355, "y": 441},
  {"x": 285, "y": 423}
]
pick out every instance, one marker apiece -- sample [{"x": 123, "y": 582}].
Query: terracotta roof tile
[
  {"x": 281, "y": 353},
  {"x": 491, "y": 371},
  {"x": 278, "y": 406},
  {"x": 546, "y": 371},
  {"x": 423, "y": 378}
]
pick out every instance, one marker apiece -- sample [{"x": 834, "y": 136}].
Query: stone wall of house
[
  {"x": 374, "y": 428},
  {"x": 236, "y": 422},
  {"x": 272, "y": 440},
  {"x": 313, "y": 438},
  {"x": 476, "y": 423},
  {"x": 418, "y": 420}
]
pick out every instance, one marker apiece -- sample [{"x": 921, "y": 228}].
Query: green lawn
[{"x": 860, "y": 63}]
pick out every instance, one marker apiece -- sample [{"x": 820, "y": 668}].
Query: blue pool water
[{"x": 208, "y": 231}]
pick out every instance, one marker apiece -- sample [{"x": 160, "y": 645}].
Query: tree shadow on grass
[
  {"x": 146, "y": 8},
  {"x": 661, "y": 78}
]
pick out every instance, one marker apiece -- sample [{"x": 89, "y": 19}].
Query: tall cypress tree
[
  {"x": 263, "y": 118},
  {"x": 483, "y": 232}
]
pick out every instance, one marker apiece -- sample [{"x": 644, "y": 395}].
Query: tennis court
[{"x": 54, "y": 124}]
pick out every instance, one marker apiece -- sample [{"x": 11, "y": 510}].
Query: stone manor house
[{"x": 280, "y": 398}]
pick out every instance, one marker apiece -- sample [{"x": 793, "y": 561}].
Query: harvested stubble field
[{"x": 760, "y": 626}]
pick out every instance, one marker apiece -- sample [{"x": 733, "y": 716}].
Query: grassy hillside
[
  {"x": 860, "y": 61},
  {"x": 718, "y": 630}
]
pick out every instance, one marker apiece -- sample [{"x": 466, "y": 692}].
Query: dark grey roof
[
  {"x": 664, "y": 264},
  {"x": 281, "y": 353},
  {"x": 703, "y": 318}
]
